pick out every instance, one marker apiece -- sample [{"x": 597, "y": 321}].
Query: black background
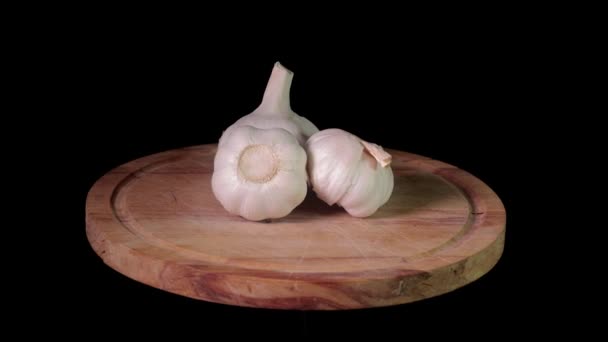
[{"x": 460, "y": 96}]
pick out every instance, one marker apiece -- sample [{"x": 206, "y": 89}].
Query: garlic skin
[
  {"x": 259, "y": 174},
  {"x": 275, "y": 110},
  {"x": 351, "y": 172}
]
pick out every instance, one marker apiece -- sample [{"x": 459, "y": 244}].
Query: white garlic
[
  {"x": 351, "y": 172},
  {"x": 259, "y": 173},
  {"x": 275, "y": 109}
]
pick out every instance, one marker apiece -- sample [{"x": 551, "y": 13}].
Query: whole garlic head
[
  {"x": 259, "y": 173},
  {"x": 351, "y": 172},
  {"x": 275, "y": 109}
]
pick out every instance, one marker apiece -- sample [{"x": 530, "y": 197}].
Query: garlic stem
[
  {"x": 378, "y": 153},
  {"x": 276, "y": 95}
]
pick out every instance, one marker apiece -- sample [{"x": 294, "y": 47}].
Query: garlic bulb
[
  {"x": 275, "y": 110},
  {"x": 349, "y": 171},
  {"x": 259, "y": 173}
]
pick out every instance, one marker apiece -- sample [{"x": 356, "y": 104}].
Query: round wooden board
[{"x": 156, "y": 220}]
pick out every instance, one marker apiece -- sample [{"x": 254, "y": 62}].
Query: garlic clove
[
  {"x": 284, "y": 179},
  {"x": 329, "y": 151},
  {"x": 259, "y": 174},
  {"x": 349, "y": 171},
  {"x": 307, "y": 128},
  {"x": 226, "y": 188},
  {"x": 275, "y": 109},
  {"x": 374, "y": 186},
  {"x": 252, "y": 205}
]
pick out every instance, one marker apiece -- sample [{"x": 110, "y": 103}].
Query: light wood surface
[{"x": 156, "y": 220}]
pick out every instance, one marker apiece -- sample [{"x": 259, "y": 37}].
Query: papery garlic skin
[
  {"x": 259, "y": 173},
  {"x": 346, "y": 170},
  {"x": 275, "y": 110}
]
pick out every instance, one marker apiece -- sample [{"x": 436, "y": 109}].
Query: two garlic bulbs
[{"x": 265, "y": 159}]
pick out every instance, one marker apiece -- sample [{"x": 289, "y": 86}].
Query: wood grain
[{"x": 156, "y": 220}]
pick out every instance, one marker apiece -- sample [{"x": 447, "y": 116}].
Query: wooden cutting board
[{"x": 156, "y": 220}]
